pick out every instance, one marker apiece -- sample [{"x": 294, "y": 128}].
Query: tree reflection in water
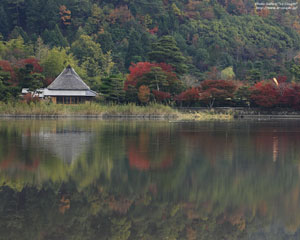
[{"x": 88, "y": 179}]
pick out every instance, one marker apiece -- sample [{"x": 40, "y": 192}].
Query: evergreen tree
[
  {"x": 49, "y": 14},
  {"x": 295, "y": 70},
  {"x": 4, "y": 25},
  {"x": 155, "y": 79},
  {"x": 30, "y": 80},
  {"x": 166, "y": 50},
  {"x": 14, "y": 9},
  {"x": 33, "y": 10},
  {"x": 146, "y": 40},
  {"x": 91, "y": 67},
  {"x": 55, "y": 37},
  {"x": 112, "y": 88},
  {"x": 108, "y": 64},
  {"x": 59, "y": 39},
  {"x": 4, "y": 92},
  {"x": 131, "y": 94},
  {"x": 40, "y": 49},
  {"x": 135, "y": 50},
  {"x": 19, "y": 32},
  {"x": 106, "y": 42},
  {"x": 5, "y": 77}
]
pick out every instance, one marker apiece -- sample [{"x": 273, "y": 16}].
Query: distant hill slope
[{"x": 212, "y": 35}]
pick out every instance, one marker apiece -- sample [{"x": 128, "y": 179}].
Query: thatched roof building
[{"x": 69, "y": 88}]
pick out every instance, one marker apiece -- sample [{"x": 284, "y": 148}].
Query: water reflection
[
  {"x": 88, "y": 179},
  {"x": 66, "y": 145}
]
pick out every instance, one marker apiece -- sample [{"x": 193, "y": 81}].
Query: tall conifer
[{"x": 166, "y": 50}]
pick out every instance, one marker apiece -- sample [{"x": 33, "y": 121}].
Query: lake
[{"x": 93, "y": 179}]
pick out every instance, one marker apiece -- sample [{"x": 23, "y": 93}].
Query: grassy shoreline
[
  {"x": 207, "y": 115},
  {"x": 42, "y": 109}
]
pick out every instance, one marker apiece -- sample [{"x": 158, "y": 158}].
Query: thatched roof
[{"x": 68, "y": 80}]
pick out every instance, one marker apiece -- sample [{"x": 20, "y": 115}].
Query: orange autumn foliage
[
  {"x": 65, "y": 15},
  {"x": 121, "y": 14},
  {"x": 64, "y": 204},
  {"x": 144, "y": 94}
]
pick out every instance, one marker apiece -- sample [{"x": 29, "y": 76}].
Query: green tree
[
  {"x": 295, "y": 70},
  {"x": 242, "y": 96},
  {"x": 89, "y": 55},
  {"x": 155, "y": 79},
  {"x": 15, "y": 49},
  {"x": 56, "y": 60},
  {"x": 55, "y": 37},
  {"x": 106, "y": 42},
  {"x": 14, "y": 8},
  {"x": 5, "y": 77},
  {"x": 166, "y": 50},
  {"x": 95, "y": 21},
  {"x": 30, "y": 80},
  {"x": 19, "y": 32},
  {"x": 5, "y": 94},
  {"x": 131, "y": 94},
  {"x": 227, "y": 73},
  {"x": 108, "y": 64},
  {"x": 40, "y": 49},
  {"x": 254, "y": 75},
  {"x": 4, "y": 25},
  {"x": 135, "y": 51},
  {"x": 85, "y": 48},
  {"x": 112, "y": 88}
]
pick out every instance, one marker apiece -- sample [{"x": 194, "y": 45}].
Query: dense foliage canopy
[{"x": 200, "y": 40}]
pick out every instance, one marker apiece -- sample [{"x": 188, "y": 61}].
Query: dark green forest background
[{"x": 218, "y": 39}]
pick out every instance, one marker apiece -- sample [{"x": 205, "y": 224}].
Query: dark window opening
[{"x": 70, "y": 100}]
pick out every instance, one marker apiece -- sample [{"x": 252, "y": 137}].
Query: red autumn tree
[
  {"x": 188, "y": 97},
  {"x": 6, "y": 67},
  {"x": 32, "y": 61},
  {"x": 137, "y": 70},
  {"x": 161, "y": 96},
  {"x": 220, "y": 91},
  {"x": 157, "y": 76},
  {"x": 265, "y": 94},
  {"x": 228, "y": 86},
  {"x": 211, "y": 95},
  {"x": 281, "y": 79},
  {"x": 288, "y": 97}
]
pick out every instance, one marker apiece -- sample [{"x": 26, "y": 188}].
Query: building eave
[{"x": 69, "y": 93}]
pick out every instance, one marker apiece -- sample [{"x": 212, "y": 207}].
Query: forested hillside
[{"x": 210, "y": 39}]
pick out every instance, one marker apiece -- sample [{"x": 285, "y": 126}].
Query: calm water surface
[{"x": 91, "y": 179}]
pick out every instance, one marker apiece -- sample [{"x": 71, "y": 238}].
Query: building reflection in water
[{"x": 66, "y": 145}]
